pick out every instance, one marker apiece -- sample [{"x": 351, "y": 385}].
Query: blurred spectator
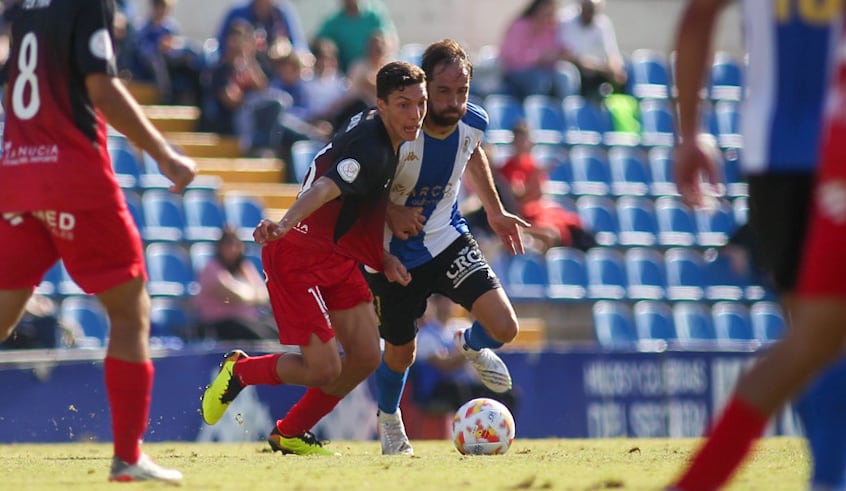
[
  {"x": 530, "y": 51},
  {"x": 327, "y": 91},
  {"x": 589, "y": 37},
  {"x": 236, "y": 76},
  {"x": 124, "y": 41},
  {"x": 362, "y": 77},
  {"x": 233, "y": 302},
  {"x": 168, "y": 59},
  {"x": 442, "y": 378},
  {"x": 552, "y": 225},
  {"x": 38, "y": 328},
  {"x": 352, "y": 27},
  {"x": 272, "y": 22}
]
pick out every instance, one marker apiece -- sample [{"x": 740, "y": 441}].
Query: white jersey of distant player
[{"x": 429, "y": 176}]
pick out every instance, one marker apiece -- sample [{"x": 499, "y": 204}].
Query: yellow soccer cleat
[
  {"x": 305, "y": 444},
  {"x": 223, "y": 390}
]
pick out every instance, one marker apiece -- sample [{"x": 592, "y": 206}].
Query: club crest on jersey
[
  {"x": 100, "y": 44},
  {"x": 348, "y": 169}
]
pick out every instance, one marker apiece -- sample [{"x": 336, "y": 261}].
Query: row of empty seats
[
  {"x": 172, "y": 268},
  {"x": 651, "y": 324},
  {"x": 198, "y": 215},
  {"x": 578, "y": 121},
  {"x": 678, "y": 274}
]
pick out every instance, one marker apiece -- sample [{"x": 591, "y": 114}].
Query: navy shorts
[{"x": 460, "y": 273}]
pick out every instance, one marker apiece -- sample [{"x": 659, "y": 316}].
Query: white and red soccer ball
[{"x": 483, "y": 427}]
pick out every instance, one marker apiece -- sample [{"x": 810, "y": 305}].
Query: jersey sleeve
[
  {"x": 358, "y": 169},
  {"x": 476, "y": 117},
  {"x": 93, "y": 48}
]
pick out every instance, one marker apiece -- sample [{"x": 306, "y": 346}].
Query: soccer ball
[{"x": 483, "y": 427}]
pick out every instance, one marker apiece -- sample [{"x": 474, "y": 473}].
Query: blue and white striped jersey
[
  {"x": 429, "y": 175},
  {"x": 790, "y": 44}
]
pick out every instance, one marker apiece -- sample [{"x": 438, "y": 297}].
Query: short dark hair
[
  {"x": 445, "y": 51},
  {"x": 397, "y": 75}
]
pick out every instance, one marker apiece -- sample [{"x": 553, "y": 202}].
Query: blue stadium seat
[
  {"x": 650, "y": 75},
  {"x": 723, "y": 280},
  {"x": 504, "y": 112},
  {"x": 676, "y": 226},
  {"x": 767, "y": 320},
  {"x": 585, "y": 122},
  {"x": 136, "y": 209},
  {"x": 693, "y": 324},
  {"x": 731, "y": 322},
  {"x": 170, "y": 270},
  {"x": 560, "y": 179},
  {"x": 740, "y": 210},
  {"x": 714, "y": 225},
  {"x": 243, "y": 213},
  {"x": 50, "y": 282},
  {"x": 302, "y": 153},
  {"x": 728, "y": 124},
  {"x": 526, "y": 276},
  {"x": 726, "y": 78},
  {"x": 735, "y": 182},
  {"x": 204, "y": 218},
  {"x": 661, "y": 169},
  {"x": 571, "y": 78},
  {"x": 614, "y": 324},
  {"x": 646, "y": 274},
  {"x": 164, "y": 217},
  {"x": 636, "y": 216},
  {"x": 685, "y": 274},
  {"x": 67, "y": 285},
  {"x": 85, "y": 315},
  {"x": 590, "y": 170},
  {"x": 654, "y": 321},
  {"x": 599, "y": 216},
  {"x": 200, "y": 254},
  {"x": 657, "y": 123},
  {"x": 252, "y": 252},
  {"x": 629, "y": 171},
  {"x": 126, "y": 166},
  {"x": 606, "y": 274},
  {"x": 545, "y": 119},
  {"x": 567, "y": 274},
  {"x": 169, "y": 317},
  {"x": 487, "y": 74}
]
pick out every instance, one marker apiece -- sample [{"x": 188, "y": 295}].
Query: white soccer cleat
[
  {"x": 143, "y": 470},
  {"x": 492, "y": 370},
  {"x": 392, "y": 434}
]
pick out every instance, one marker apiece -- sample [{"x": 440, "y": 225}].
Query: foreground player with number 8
[
  {"x": 59, "y": 197},
  {"x": 311, "y": 258}
]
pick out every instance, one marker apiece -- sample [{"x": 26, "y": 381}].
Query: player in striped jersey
[
  {"x": 428, "y": 234},
  {"x": 790, "y": 44}
]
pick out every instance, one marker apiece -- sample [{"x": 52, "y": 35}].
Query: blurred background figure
[
  {"x": 352, "y": 27},
  {"x": 327, "y": 91},
  {"x": 590, "y": 40},
  {"x": 530, "y": 51},
  {"x": 442, "y": 378},
  {"x": 169, "y": 60},
  {"x": 233, "y": 302},
  {"x": 273, "y": 22}
]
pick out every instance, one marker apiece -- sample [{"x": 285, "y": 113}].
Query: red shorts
[
  {"x": 101, "y": 248},
  {"x": 305, "y": 284}
]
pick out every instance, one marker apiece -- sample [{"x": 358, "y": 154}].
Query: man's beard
[{"x": 452, "y": 119}]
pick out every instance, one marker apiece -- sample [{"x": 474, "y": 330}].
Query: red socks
[
  {"x": 257, "y": 370},
  {"x": 729, "y": 442},
  {"x": 128, "y": 386},
  {"x": 310, "y": 409}
]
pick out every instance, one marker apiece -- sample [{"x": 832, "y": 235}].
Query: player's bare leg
[{"x": 129, "y": 382}]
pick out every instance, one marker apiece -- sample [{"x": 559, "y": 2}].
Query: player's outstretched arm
[
  {"x": 110, "y": 97},
  {"x": 321, "y": 192},
  {"x": 506, "y": 225}
]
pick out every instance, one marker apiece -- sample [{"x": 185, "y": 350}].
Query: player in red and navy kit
[
  {"x": 311, "y": 258},
  {"x": 59, "y": 198},
  {"x": 791, "y": 44}
]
